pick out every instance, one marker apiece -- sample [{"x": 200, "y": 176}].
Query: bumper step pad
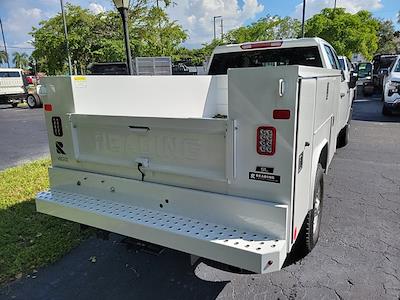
[{"x": 248, "y": 250}]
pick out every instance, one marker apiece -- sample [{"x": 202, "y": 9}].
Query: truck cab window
[
  {"x": 306, "y": 56},
  {"x": 332, "y": 58}
]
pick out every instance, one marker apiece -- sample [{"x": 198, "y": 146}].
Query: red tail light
[
  {"x": 48, "y": 107},
  {"x": 281, "y": 114},
  {"x": 266, "y": 140},
  {"x": 261, "y": 45}
]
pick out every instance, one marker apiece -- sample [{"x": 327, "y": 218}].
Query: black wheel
[
  {"x": 32, "y": 101},
  {"x": 314, "y": 216},
  {"x": 309, "y": 233},
  {"x": 386, "y": 111},
  {"x": 343, "y": 137},
  {"x": 366, "y": 94}
]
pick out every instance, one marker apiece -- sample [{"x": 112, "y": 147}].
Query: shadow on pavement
[
  {"x": 370, "y": 109},
  {"x": 119, "y": 272}
]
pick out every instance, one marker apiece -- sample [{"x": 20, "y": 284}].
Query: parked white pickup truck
[{"x": 228, "y": 166}]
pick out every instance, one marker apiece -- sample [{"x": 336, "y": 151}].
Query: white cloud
[
  {"x": 196, "y": 16},
  {"x": 21, "y": 18},
  {"x": 96, "y": 8},
  {"x": 315, "y": 6}
]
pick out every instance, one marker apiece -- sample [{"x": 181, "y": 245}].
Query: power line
[{"x": 13, "y": 47}]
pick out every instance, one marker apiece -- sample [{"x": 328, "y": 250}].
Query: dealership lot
[{"x": 357, "y": 257}]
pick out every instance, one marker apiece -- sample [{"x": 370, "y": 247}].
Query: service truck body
[{"x": 219, "y": 166}]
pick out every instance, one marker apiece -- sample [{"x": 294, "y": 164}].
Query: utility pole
[
  {"x": 304, "y": 18},
  {"x": 4, "y": 42},
  {"x": 66, "y": 37},
  {"x": 222, "y": 29},
  {"x": 215, "y": 29},
  {"x": 334, "y": 6}
]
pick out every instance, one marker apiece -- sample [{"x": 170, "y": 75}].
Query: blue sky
[{"x": 195, "y": 16}]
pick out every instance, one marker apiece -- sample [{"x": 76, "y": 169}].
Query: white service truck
[{"x": 228, "y": 166}]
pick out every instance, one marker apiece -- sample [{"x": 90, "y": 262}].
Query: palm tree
[
  {"x": 20, "y": 60},
  {"x": 3, "y": 57}
]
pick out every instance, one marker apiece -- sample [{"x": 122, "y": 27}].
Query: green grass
[
  {"x": 22, "y": 105},
  {"x": 29, "y": 240}
]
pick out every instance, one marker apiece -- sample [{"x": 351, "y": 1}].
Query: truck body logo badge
[
  {"x": 59, "y": 148},
  {"x": 264, "y": 177},
  {"x": 264, "y": 169}
]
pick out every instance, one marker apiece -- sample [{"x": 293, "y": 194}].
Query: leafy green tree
[
  {"x": 197, "y": 56},
  {"x": 267, "y": 28},
  {"x": 387, "y": 42},
  {"x": 20, "y": 60},
  {"x": 348, "y": 33},
  {"x": 3, "y": 57},
  {"x": 99, "y": 38}
]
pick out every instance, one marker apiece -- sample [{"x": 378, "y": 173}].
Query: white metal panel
[
  {"x": 174, "y": 146},
  {"x": 151, "y": 96},
  {"x": 249, "y": 214},
  {"x": 253, "y": 96},
  {"x": 304, "y": 154}
]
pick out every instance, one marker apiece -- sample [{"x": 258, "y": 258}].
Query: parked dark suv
[{"x": 381, "y": 64}]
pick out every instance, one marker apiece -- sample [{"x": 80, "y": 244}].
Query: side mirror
[
  {"x": 353, "y": 80},
  {"x": 385, "y": 72},
  {"x": 343, "y": 75}
]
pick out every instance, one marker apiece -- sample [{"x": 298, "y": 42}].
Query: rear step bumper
[{"x": 231, "y": 245}]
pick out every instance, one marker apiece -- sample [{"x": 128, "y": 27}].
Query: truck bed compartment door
[
  {"x": 303, "y": 158},
  {"x": 179, "y": 147}
]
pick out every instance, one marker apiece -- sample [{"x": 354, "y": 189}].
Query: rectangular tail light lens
[
  {"x": 260, "y": 45},
  {"x": 266, "y": 140},
  {"x": 281, "y": 114}
]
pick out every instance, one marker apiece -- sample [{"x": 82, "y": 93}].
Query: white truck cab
[
  {"x": 12, "y": 86},
  {"x": 391, "y": 89},
  {"x": 228, "y": 166}
]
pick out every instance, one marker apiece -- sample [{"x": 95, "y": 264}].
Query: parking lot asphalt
[
  {"x": 357, "y": 256},
  {"x": 22, "y": 135}
]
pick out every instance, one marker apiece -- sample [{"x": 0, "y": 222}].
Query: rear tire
[
  {"x": 310, "y": 230},
  {"x": 386, "y": 111},
  {"x": 33, "y": 101},
  {"x": 343, "y": 137}
]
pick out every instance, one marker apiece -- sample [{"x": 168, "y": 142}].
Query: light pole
[
  {"x": 215, "y": 30},
  {"x": 4, "y": 42},
  {"x": 304, "y": 18},
  {"x": 66, "y": 37},
  {"x": 123, "y": 6}
]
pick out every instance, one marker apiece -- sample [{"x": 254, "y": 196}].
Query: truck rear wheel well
[{"x": 323, "y": 157}]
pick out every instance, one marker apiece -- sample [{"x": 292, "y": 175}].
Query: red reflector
[
  {"x": 295, "y": 234},
  {"x": 261, "y": 45},
  {"x": 282, "y": 114},
  {"x": 266, "y": 140},
  {"x": 48, "y": 107}
]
